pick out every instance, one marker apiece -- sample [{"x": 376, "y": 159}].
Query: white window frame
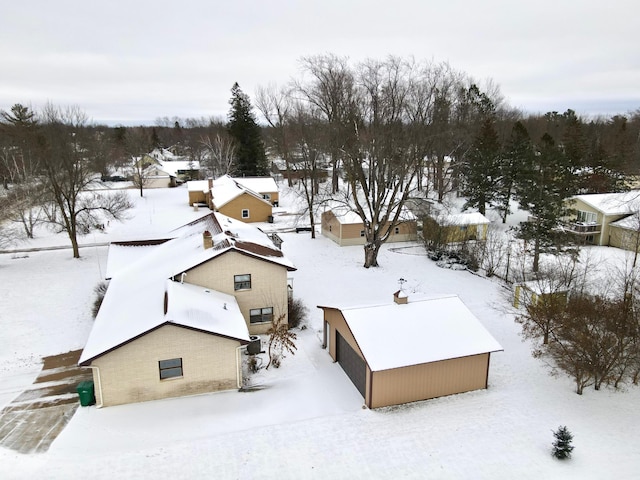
[{"x": 245, "y": 213}]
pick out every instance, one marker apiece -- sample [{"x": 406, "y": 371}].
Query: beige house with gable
[
  {"x": 179, "y": 310},
  {"x": 346, "y": 228},
  {"x": 234, "y": 198}
]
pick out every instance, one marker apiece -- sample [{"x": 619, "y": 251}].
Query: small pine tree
[{"x": 562, "y": 447}]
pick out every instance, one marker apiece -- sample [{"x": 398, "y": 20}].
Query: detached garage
[{"x": 407, "y": 351}]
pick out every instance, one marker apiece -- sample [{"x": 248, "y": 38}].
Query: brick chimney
[
  {"x": 210, "y": 182},
  {"x": 400, "y": 297},
  {"x": 207, "y": 241}
]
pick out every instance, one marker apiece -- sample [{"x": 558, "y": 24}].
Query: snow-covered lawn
[{"x": 304, "y": 420}]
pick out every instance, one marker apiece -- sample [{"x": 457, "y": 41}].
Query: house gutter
[{"x": 99, "y": 384}]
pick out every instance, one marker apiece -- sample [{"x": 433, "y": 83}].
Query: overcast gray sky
[{"x": 131, "y": 62}]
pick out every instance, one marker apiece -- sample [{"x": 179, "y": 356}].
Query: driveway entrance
[{"x": 34, "y": 419}]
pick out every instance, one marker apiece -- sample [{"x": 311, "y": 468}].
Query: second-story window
[{"x": 242, "y": 282}]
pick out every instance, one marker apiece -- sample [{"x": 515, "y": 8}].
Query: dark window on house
[
  {"x": 170, "y": 368},
  {"x": 362, "y": 233},
  {"x": 267, "y": 196},
  {"x": 260, "y": 315},
  {"x": 245, "y": 213},
  {"x": 397, "y": 230},
  {"x": 242, "y": 282}
]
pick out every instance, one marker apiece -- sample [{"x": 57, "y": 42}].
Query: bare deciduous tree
[
  {"x": 222, "y": 152},
  {"x": 64, "y": 143}
]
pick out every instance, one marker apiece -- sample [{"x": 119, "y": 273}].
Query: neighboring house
[
  {"x": 164, "y": 171},
  {"x": 265, "y": 186},
  {"x": 233, "y": 198},
  {"x": 345, "y": 227},
  {"x": 409, "y": 350},
  {"x": 547, "y": 289},
  {"x": 299, "y": 170},
  {"x": 178, "y": 310},
  {"x": 456, "y": 227},
  {"x": 597, "y": 219}
]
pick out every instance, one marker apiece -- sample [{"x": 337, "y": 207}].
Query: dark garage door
[{"x": 351, "y": 363}]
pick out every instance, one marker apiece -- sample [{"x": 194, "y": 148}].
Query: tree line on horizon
[{"x": 386, "y": 129}]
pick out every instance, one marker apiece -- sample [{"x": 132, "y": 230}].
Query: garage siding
[{"x": 429, "y": 380}]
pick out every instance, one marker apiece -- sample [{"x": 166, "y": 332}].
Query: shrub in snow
[
  {"x": 562, "y": 447},
  {"x": 100, "y": 290},
  {"x": 297, "y": 312}
]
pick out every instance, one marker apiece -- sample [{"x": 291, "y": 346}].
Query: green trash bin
[{"x": 86, "y": 393}]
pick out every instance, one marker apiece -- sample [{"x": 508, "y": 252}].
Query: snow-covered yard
[{"x": 305, "y": 419}]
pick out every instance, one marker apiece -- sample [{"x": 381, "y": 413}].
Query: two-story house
[
  {"x": 178, "y": 310},
  {"x": 605, "y": 218}
]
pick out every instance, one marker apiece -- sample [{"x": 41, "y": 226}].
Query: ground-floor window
[
  {"x": 261, "y": 315},
  {"x": 170, "y": 368}
]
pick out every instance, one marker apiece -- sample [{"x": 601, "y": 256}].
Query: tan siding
[
  {"x": 268, "y": 284},
  {"x": 336, "y": 321},
  {"x": 337, "y": 324},
  {"x": 197, "y": 197},
  {"x": 131, "y": 373},
  {"x": 259, "y": 210},
  {"x": 623, "y": 238},
  {"x": 275, "y": 196},
  {"x": 430, "y": 380},
  {"x": 349, "y": 234},
  {"x": 160, "y": 182}
]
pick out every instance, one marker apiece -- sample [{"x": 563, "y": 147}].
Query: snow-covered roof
[
  {"x": 258, "y": 184},
  {"x": 613, "y": 203},
  {"x": 632, "y": 222},
  {"x": 471, "y": 218},
  {"x": 226, "y": 188},
  {"x": 174, "y": 166},
  {"x": 133, "y": 304},
  {"x": 346, "y": 215},
  {"x": 420, "y": 331},
  {"x": 198, "y": 186},
  {"x": 130, "y": 310},
  {"x": 123, "y": 254},
  {"x": 184, "y": 250}
]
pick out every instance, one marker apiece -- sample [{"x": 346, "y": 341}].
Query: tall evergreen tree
[
  {"x": 517, "y": 152},
  {"x": 541, "y": 189},
  {"x": 250, "y": 154},
  {"x": 481, "y": 166},
  {"x": 481, "y": 171}
]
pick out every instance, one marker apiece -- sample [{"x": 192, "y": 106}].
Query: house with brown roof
[
  {"x": 178, "y": 310},
  {"x": 409, "y": 349}
]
